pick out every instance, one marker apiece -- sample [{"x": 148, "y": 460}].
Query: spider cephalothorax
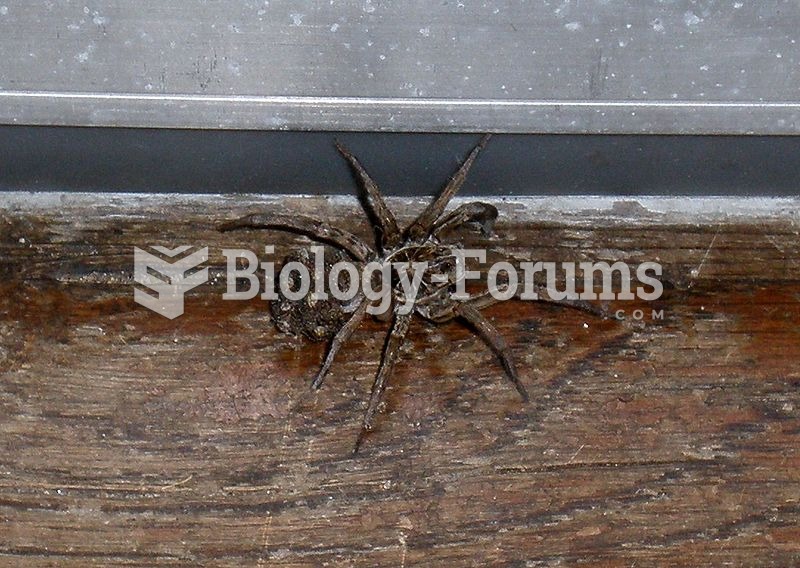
[{"x": 419, "y": 242}]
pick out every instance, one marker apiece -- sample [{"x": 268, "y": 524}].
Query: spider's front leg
[
  {"x": 423, "y": 224},
  {"x": 391, "y": 352},
  {"x": 485, "y": 299},
  {"x": 385, "y": 224},
  {"x": 600, "y": 311},
  {"x": 478, "y": 212},
  {"x": 496, "y": 341}
]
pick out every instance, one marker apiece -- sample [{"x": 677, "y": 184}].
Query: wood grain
[{"x": 129, "y": 439}]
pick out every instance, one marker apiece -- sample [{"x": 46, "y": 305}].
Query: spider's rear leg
[
  {"x": 316, "y": 230},
  {"x": 496, "y": 341},
  {"x": 391, "y": 352},
  {"x": 339, "y": 339}
]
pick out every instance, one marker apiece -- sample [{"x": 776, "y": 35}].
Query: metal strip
[{"x": 397, "y": 114}]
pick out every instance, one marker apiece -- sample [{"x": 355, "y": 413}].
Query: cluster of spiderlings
[{"x": 314, "y": 319}]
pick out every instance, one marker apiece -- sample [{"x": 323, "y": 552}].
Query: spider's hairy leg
[
  {"x": 339, "y": 339},
  {"x": 391, "y": 352},
  {"x": 423, "y": 224},
  {"x": 386, "y": 224},
  {"x": 476, "y": 212},
  {"x": 493, "y": 338},
  {"x": 600, "y": 311},
  {"x": 316, "y": 230},
  {"x": 482, "y": 300}
]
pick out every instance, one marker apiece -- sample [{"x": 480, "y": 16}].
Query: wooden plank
[{"x": 130, "y": 439}]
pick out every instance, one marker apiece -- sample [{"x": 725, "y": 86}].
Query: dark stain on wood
[{"x": 130, "y": 439}]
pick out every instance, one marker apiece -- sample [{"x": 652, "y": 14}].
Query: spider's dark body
[{"x": 419, "y": 242}]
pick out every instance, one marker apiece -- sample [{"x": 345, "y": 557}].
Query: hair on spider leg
[{"x": 421, "y": 240}]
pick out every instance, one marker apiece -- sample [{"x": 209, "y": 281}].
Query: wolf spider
[{"x": 419, "y": 242}]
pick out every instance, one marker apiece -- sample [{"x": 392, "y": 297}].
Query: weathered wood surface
[{"x": 129, "y": 439}]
